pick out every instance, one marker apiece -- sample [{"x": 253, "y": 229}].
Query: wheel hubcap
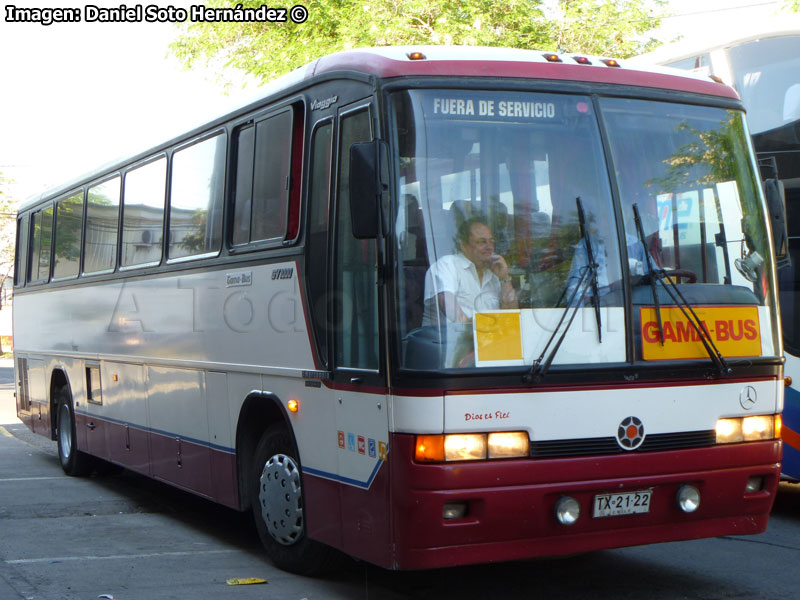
[
  {"x": 64, "y": 431},
  {"x": 280, "y": 496}
]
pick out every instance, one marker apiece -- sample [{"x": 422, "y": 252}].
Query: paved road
[{"x": 65, "y": 538}]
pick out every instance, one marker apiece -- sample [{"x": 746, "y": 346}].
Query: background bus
[
  {"x": 764, "y": 67},
  {"x": 251, "y": 311}
]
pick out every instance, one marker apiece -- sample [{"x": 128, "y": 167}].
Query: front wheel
[
  {"x": 73, "y": 461},
  {"x": 278, "y": 507}
]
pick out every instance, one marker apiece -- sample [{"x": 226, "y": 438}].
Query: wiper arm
[
  {"x": 687, "y": 310},
  {"x": 541, "y": 365},
  {"x": 640, "y": 232},
  {"x": 680, "y": 301},
  {"x": 594, "y": 266}
]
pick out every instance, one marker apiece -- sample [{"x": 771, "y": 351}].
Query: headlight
[
  {"x": 509, "y": 444},
  {"x": 746, "y": 429},
  {"x": 760, "y": 427},
  {"x": 469, "y": 446},
  {"x": 472, "y": 446}
]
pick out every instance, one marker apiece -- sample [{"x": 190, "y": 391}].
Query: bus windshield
[{"x": 491, "y": 250}]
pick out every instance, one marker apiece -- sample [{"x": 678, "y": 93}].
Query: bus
[
  {"x": 764, "y": 67},
  {"x": 425, "y": 307}
]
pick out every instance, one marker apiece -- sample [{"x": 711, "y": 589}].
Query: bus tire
[
  {"x": 278, "y": 504},
  {"x": 73, "y": 461}
]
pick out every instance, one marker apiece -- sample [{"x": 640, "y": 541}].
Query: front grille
[{"x": 608, "y": 445}]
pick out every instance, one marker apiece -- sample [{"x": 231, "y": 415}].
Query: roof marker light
[
  {"x": 416, "y": 55},
  {"x": 581, "y": 60},
  {"x": 610, "y": 62},
  {"x": 716, "y": 78},
  {"x": 552, "y": 57}
]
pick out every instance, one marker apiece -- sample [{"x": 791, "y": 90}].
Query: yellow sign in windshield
[
  {"x": 498, "y": 336},
  {"x": 735, "y": 331}
]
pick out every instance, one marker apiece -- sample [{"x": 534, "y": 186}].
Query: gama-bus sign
[{"x": 735, "y": 331}]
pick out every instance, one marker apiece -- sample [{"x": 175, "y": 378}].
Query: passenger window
[
  {"x": 69, "y": 222},
  {"x": 41, "y": 242},
  {"x": 102, "y": 224},
  {"x": 264, "y": 153},
  {"x": 21, "y": 252},
  {"x": 143, "y": 214},
  {"x": 195, "y": 214}
]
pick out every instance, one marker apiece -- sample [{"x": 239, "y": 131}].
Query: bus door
[{"x": 359, "y": 385}]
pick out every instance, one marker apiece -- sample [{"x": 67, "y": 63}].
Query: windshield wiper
[
  {"x": 586, "y": 281},
  {"x": 595, "y": 266},
  {"x": 640, "y": 232},
  {"x": 680, "y": 301}
]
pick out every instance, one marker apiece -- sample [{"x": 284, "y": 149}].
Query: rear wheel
[
  {"x": 73, "y": 461},
  {"x": 278, "y": 507}
]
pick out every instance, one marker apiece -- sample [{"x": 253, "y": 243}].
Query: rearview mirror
[
  {"x": 776, "y": 205},
  {"x": 368, "y": 188}
]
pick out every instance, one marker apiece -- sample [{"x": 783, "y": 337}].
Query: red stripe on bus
[{"x": 791, "y": 437}]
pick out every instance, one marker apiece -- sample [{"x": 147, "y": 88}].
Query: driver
[{"x": 473, "y": 280}]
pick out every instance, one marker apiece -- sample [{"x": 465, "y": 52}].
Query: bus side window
[
  {"x": 41, "y": 243},
  {"x": 21, "y": 253},
  {"x": 143, "y": 214},
  {"x": 195, "y": 212},
  {"x": 263, "y": 163},
  {"x": 102, "y": 223},
  {"x": 356, "y": 292},
  {"x": 317, "y": 242},
  {"x": 69, "y": 222}
]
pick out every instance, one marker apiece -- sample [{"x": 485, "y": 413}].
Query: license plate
[{"x": 628, "y": 503}]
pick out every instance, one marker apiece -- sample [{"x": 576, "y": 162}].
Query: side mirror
[
  {"x": 368, "y": 188},
  {"x": 776, "y": 205}
]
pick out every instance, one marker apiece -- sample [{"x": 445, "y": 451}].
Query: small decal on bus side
[
  {"x": 239, "y": 279},
  {"x": 284, "y": 273}
]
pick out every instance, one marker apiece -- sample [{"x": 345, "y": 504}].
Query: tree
[
  {"x": 266, "y": 50},
  {"x": 607, "y": 28},
  {"x": 8, "y": 210}
]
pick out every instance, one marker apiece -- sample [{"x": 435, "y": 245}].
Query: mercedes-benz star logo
[
  {"x": 748, "y": 397},
  {"x": 630, "y": 433}
]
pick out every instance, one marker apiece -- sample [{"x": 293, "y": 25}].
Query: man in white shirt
[{"x": 459, "y": 285}]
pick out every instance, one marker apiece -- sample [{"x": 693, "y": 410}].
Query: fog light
[
  {"x": 454, "y": 510},
  {"x": 754, "y": 484},
  {"x": 567, "y": 510},
  {"x": 688, "y": 498}
]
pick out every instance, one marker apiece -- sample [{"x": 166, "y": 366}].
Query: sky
[{"x": 74, "y": 96}]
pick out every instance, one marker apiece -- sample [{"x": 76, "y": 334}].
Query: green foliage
[
  {"x": 605, "y": 27},
  {"x": 709, "y": 158},
  {"x": 266, "y": 50}
]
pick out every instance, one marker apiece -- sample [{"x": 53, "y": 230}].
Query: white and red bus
[{"x": 274, "y": 311}]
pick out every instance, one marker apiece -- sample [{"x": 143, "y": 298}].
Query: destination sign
[{"x": 519, "y": 107}]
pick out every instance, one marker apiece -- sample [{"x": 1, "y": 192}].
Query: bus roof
[
  {"x": 463, "y": 61},
  {"x": 443, "y": 61}
]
